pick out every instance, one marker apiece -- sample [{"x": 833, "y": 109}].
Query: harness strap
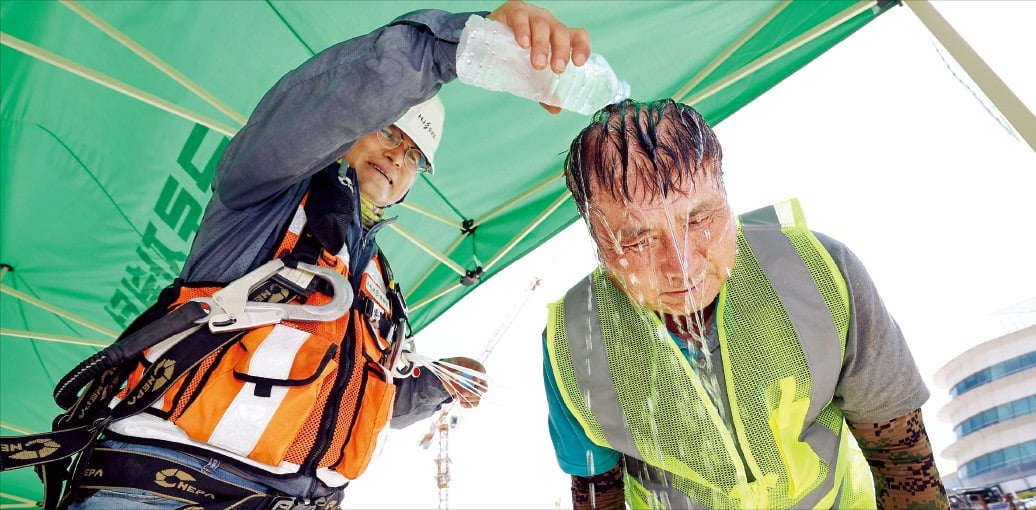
[
  {"x": 126, "y": 469},
  {"x": 53, "y": 449},
  {"x": 23, "y": 451},
  {"x": 126, "y": 348}
]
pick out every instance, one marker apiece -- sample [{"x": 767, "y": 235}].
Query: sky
[{"x": 889, "y": 148}]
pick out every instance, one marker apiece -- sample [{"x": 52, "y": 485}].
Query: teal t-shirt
[{"x": 577, "y": 454}]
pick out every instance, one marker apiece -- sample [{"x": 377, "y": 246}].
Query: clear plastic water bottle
[{"x": 488, "y": 57}]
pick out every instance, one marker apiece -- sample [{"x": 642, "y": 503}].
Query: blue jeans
[{"x": 134, "y": 499}]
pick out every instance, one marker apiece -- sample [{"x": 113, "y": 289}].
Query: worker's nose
[
  {"x": 679, "y": 260},
  {"x": 396, "y": 155}
]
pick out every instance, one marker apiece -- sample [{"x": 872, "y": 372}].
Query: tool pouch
[{"x": 261, "y": 392}]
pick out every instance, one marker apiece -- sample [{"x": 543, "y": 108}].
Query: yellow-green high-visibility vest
[{"x": 782, "y": 319}]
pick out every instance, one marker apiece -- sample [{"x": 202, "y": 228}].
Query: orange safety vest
[{"x": 311, "y": 394}]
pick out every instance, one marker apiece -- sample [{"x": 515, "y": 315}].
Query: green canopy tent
[{"x": 114, "y": 115}]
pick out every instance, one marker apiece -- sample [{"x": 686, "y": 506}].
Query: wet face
[
  {"x": 670, "y": 254},
  {"x": 382, "y": 176}
]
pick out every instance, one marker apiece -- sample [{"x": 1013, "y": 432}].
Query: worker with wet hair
[{"x": 721, "y": 361}]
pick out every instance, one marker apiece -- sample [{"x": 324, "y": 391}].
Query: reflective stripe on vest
[
  {"x": 288, "y": 396},
  {"x": 772, "y": 245}
]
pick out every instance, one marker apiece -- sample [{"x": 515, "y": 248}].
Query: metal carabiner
[
  {"x": 230, "y": 309},
  {"x": 395, "y": 363}
]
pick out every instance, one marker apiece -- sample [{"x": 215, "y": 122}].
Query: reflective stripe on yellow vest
[{"x": 782, "y": 318}]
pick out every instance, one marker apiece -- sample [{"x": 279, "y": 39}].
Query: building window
[
  {"x": 998, "y": 371},
  {"x": 998, "y": 414},
  {"x": 1000, "y": 459}
]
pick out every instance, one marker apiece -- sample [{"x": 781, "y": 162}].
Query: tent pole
[
  {"x": 57, "y": 311},
  {"x": 506, "y": 205},
  {"x": 435, "y": 296},
  {"x": 112, "y": 83},
  {"x": 781, "y": 50},
  {"x": 64, "y": 339},
  {"x": 423, "y": 211},
  {"x": 496, "y": 258},
  {"x": 428, "y": 249},
  {"x": 528, "y": 229},
  {"x": 722, "y": 57},
  {"x": 431, "y": 268},
  {"x": 992, "y": 86},
  {"x": 153, "y": 59},
  {"x": 21, "y": 502},
  {"x": 498, "y": 210},
  {"x": 20, "y": 430}
]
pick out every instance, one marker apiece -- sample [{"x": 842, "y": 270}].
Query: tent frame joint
[
  {"x": 468, "y": 227},
  {"x": 472, "y": 277}
]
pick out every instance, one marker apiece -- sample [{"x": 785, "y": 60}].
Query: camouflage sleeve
[
  {"x": 902, "y": 463},
  {"x": 599, "y": 492}
]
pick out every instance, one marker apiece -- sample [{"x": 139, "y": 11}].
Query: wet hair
[{"x": 637, "y": 150}]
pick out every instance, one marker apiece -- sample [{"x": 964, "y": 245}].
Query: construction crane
[{"x": 440, "y": 428}]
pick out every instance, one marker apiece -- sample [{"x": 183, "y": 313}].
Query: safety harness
[{"x": 318, "y": 331}]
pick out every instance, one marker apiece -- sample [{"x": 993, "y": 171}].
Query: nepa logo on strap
[
  {"x": 32, "y": 449},
  {"x": 173, "y": 478},
  {"x": 160, "y": 376}
]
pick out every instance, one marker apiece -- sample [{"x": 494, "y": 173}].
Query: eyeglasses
[{"x": 413, "y": 160}]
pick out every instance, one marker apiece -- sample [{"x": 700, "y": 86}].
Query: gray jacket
[{"x": 307, "y": 120}]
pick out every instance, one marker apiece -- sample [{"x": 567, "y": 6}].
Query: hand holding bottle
[
  {"x": 508, "y": 51},
  {"x": 537, "y": 30}
]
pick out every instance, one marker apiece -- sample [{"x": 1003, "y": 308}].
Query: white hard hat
[{"x": 423, "y": 124}]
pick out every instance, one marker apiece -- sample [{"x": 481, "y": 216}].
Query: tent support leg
[{"x": 992, "y": 86}]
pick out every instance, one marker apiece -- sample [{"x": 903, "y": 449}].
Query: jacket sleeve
[
  {"x": 902, "y": 463},
  {"x": 314, "y": 114},
  {"x": 417, "y": 398}
]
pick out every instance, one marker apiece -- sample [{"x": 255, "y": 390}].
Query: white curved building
[{"x": 993, "y": 411}]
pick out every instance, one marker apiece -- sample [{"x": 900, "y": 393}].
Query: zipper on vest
[
  {"x": 356, "y": 412},
  {"x": 359, "y": 401},
  {"x": 327, "y": 423}
]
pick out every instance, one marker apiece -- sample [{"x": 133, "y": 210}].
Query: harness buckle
[
  {"x": 230, "y": 309},
  {"x": 373, "y": 312}
]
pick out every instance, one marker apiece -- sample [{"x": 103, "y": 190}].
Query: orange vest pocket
[
  {"x": 374, "y": 413},
  {"x": 254, "y": 403}
]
